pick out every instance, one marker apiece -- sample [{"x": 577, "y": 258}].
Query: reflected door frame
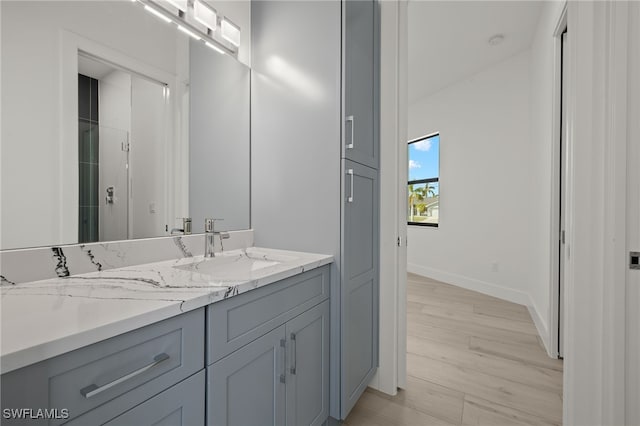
[{"x": 176, "y": 154}]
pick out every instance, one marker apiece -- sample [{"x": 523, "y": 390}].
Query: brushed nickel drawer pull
[
  {"x": 93, "y": 389},
  {"x": 349, "y": 120},
  {"x": 350, "y": 197},
  {"x": 294, "y": 350}
]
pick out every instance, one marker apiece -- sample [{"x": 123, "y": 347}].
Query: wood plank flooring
[{"x": 472, "y": 360}]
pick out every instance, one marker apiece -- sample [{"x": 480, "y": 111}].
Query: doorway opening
[{"x": 121, "y": 119}]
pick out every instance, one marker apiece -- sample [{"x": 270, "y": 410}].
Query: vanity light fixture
[
  {"x": 230, "y": 32},
  {"x": 209, "y": 35},
  {"x": 205, "y": 15},
  {"x": 214, "y": 47},
  {"x": 189, "y": 32},
  {"x": 178, "y": 4},
  {"x": 156, "y": 13}
]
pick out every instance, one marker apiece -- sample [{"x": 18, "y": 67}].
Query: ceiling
[{"x": 448, "y": 40}]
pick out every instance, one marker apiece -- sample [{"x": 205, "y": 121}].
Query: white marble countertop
[{"x": 43, "y": 319}]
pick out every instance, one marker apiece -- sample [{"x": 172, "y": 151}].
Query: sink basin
[{"x": 233, "y": 266}]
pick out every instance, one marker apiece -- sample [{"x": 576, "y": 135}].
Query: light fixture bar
[
  {"x": 157, "y": 13},
  {"x": 189, "y": 29},
  {"x": 178, "y": 4},
  {"x": 189, "y": 32},
  {"x": 214, "y": 47}
]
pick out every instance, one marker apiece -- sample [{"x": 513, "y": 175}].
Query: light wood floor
[{"x": 472, "y": 360}]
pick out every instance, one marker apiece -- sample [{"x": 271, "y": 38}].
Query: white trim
[
  {"x": 386, "y": 379},
  {"x": 483, "y": 287},
  {"x": 541, "y": 327},
  {"x": 401, "y": 205},
  {"x": 554, "y": 282},
  {"x": 594, "y": 368},
  {"x": 430, "y": 135}
]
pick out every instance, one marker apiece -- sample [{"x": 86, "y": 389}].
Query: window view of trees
[{"x": 423, "y": 183}]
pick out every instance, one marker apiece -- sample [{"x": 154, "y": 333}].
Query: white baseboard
[
  {"x": 489, "y": 289},
  {"x": 541, "y": 326}
]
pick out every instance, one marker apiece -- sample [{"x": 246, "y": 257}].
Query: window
[{"x": 423, "y": 185}]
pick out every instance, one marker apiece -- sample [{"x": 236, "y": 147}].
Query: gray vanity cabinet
[
  {"x": 281, "y": 376},
  {"x": 245, "y": 389},
  {"x": 180, "y": 405},
  {"x": 360, "y": 74},
  {"x": 104, "y": 380},
  {"x": 307, "y": 371}
]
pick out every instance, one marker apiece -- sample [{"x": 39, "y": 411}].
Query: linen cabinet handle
[
  {"x": 350, "y": 197},
  {"x": 93, "y": 389},
  {"x": 294, "y": 356},
  {"x": 350, "y": 120}
]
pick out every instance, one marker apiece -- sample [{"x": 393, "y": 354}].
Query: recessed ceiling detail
[{"x": 448, "y": 40}]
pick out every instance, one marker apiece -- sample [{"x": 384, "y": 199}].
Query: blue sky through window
[{"x": 424, "y": 158}]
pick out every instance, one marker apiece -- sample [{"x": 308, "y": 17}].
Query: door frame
[
  {"x": 554, "y": 322},
  {"x": 595, "y": 284}
]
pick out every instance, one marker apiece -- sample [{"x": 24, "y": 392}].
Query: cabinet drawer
[
  {"x": 180, "y": 405},
  {"x": 140, "y": 364},
  {"x": 234, "y": 322}
]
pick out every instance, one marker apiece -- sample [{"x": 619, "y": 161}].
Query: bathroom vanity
[
  {"x": 111, "y": 315},
  {"x": 241, "y": 338}
]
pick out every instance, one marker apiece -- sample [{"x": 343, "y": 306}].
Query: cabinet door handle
[
  {"x": 350, "y": 120},
  {"x": 350, "y": 197},
  {"x": 294, "y": 356},
  {"x": 283, "y": 345},
  {"x": 93, "y": 389}
]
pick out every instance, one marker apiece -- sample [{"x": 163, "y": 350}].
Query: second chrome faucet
[{"x": 210, "y": 235}]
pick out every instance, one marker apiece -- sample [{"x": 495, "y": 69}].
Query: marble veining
[
  {"x": 40, "y": 263},
  {"x": 4, "y": 281},
  {"x": 45, "y": 318},
  {"x": 92, "y": 258},
  {"x": 61, "y": 266},
  {"x": 183, "y": 249}
]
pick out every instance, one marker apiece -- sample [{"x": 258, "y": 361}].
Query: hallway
[{"x": 473, "y": 360}]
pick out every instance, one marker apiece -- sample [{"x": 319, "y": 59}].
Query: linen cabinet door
[
  {"x": 359, "y": 67},
  {"x": 308, "y": 367},
  {"x": 246, "y": 388},
  {"x": 359, "y": 290}
]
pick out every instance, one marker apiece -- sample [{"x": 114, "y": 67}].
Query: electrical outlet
[{"x": 495, "y": 267}]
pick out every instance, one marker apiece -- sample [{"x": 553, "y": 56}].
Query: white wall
[
  {"x": 295, "y": 134},
  {"x": 484, "y": 241}
]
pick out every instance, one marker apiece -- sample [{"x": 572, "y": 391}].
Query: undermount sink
[{"x": 236, "y": 265}]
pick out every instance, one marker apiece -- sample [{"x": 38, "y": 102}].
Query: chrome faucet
[
  {"x": 186, "y": 227},
  {"x": 210, "y": 237}
]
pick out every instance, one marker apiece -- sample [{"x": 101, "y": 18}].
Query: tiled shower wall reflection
[{"x": 88, "y": 158}]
